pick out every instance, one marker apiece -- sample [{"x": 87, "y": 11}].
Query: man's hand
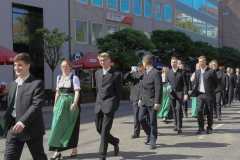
[
  {"x": 226, "y": 89},
  {"x": 17, "y": 128},
  {"x": 156, "y": 106},
  {"x": 185, "y": 98},
  {"x": 132, "y": 71},
  {"x": 139, "y": 103},
  {"x": 189, "y": 92}
]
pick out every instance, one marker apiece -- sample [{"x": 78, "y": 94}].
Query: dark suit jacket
[
  {"x": 179, "y": 83},
  {"x": 109, "y": 91},
  {"x": 219, "y": 73},
  {"x": 210, "y": 81},
  {"x": 135, "y": 80},
  {"x": 151, "y": 91},
  {"x": 225, "y": 81},
  {"x": 29, "y": 103},
  {"x": 237, "y": 80},
  {"x": 232, "y": 82}
]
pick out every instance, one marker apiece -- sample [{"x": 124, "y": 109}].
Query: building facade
[
  {"x": 198, "y": 19},
  {"x": 229, "y": 23},
  {"x": 18, "y": 21},
  {"x": 92, "y": 19}
]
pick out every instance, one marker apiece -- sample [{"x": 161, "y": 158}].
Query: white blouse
[
  {"x": 67, "y": 84},
  {"x": 163, "y": 77}
]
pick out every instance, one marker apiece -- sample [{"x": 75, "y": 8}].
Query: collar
[
  {"x": 174, "y": 70},
  {"x": 107, "y": 69},
  {"x": 69, "y": 75},
  {"x": 149, "y": 70},
  {"x": 20, "y": 81},
  {"x": 203, "y": 70}
]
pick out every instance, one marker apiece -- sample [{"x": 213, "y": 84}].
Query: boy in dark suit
[
  {"x": 150, "y": 100},
  {"x": 26, "y": 95},
  {"x": 179, "y": 92},
  {"x": 109, "y": 92},
  {"x": 135, "y": 78}
]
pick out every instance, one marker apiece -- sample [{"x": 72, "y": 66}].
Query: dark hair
[
  {"x": 22, "y": 57},
  {"x": 148, "y": 59}
]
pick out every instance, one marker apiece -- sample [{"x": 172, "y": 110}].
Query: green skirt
[
  {"x": 194, "y": 106},
  {"x": 165, "y": 105},
  {"x": 63, "y": 121}
]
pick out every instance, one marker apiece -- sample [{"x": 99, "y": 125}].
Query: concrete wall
[{"x": 55, "y": 15}]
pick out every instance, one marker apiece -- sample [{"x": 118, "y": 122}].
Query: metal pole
[{"x": 222, "y": 30}]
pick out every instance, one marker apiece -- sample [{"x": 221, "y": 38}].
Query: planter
[
  {"x": 126, "y": 96},
  {"x": 87, "y": 98}
]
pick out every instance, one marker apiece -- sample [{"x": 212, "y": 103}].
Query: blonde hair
[
  {"x": 148, "y": 59},
  {"x": 103, "y": 55},
  {"x": 214, "y": 61},
  {"x": 165, "y": 69},
  {"x": 202, "y": 57},
  {"x": 68, "y": 62}
]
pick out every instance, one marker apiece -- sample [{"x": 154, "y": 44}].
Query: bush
[
  {"x": 126, "y": 89},
  {"x": 86, "y": 88}
]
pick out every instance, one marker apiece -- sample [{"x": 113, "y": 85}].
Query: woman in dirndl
[
  {"x": 194, "y": 99},
  {"x": 66, "y": 113},
  {"x": 165, "y": 111}
]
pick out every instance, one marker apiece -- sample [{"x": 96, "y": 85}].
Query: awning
[{"x": 6, "y": 56}]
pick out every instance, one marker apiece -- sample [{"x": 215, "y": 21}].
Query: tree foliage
[
  {"x": 228, "y": 57},
  {"x": 123, "y": 46},
  {"x": 171, "y": 43},
  {"x": 200, "y": 48},
  {"x": 52, "y": 47}
]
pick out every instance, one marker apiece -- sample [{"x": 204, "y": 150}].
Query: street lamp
[{"x": 224, "y": 14}]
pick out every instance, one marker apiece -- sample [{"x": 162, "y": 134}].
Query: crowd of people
[{"x": 154, "y": 94}]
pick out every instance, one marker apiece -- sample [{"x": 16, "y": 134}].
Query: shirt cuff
[
  {"x": 156, "y": 104},
  {"x": 185, "y": 96},
  {"x": 139, "y": 101},
  {"x": 19, "y": 122}
]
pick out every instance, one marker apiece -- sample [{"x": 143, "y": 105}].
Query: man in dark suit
[
  {"x": 26, "y": 124},
  {"x": 150, "y": 100},
  {"x": 218, "y": 91},
  {"x": 206, "y": 83},
  {"x": 231, "y": 86},
  {"x": 177, "y": 92},
  {"x": 135, "y": 77},
  {"x": 225, "y": 85},
  {"x": 185, "y": 103},
  {"x": 109, "y": 92},
  {"x": 237, "y": 80}
]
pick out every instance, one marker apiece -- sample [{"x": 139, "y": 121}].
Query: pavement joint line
[
  {"x": 217, "y": 126},
  {"x": 238, "y": 111}
]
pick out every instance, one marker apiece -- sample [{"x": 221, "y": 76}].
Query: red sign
[{"x": 119, "y": 18}]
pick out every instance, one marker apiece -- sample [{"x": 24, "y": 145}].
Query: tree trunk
[{"x": 52, "y": 80}]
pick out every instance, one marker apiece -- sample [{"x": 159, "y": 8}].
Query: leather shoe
[
  {"x": 209, "y": 131},
  {"x": 102, "y": 158},
  {"x": 116, "y": 148},
  {"x": 153, "y": 145},
  {"x": 175, "y": 128},
  {"x": 200, "y": 130},
  {"x": 179, "y": 130},
  {"x": 147, "y": 140},
  {"x": 135, "y": 135}
]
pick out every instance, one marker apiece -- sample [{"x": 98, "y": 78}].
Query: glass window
[
  {"x": 112, "y": 4},
  {"x": 121, "y": 27},
  {"x": 203, "y": 27},
  {"x": 212, "y": 31},
  {"x": 82, "y": 1},
  {"x": 125, "y": 6},
  {"x": 196, "y": 26},
  {"x": 148, "y": 34},
  {"x": 212, "y": 10},
  {"x": 81, "y": 31},
  {"x": 158, "y": 11},
  {"x": 98, "y": 3},
  {"x": 96, "y": 32},
  {"x": 111, "y": 29},
  {"x": 178, "y": 18},
  {"x": 137, "y": 7},
  {"x": 147, "y": 8},
  {"x": 167, "y": 13},
  {"x": 189, "y": 22},
  {"x": 187, "y": 2}
]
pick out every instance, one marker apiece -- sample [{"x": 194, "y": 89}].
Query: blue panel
[
  {"x": 97, "y": 2},
  {"x": 112, "y": 4},
  {"x": 147, "y": 8},
  {"x": 82, "y": 1},
  {"x": 137, "y": 7},
  {"x": 167, "y": 13},
  {"x": 124, "y": 5},
  {"x": 158, "y": 11}
]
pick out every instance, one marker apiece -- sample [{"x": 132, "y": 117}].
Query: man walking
[
  {"x": 24, "y": 115},
  {"x": 206, "y": 83},
  {"x": 237, "y": 80},
  {"x": 150, "y": 100},
  {"x": 109, "y": 93},
  {"x": 225, "y": 85},
  {"x": 178, "y": 92},
  {"x": 135, "y": 77},
  {"x": 231, "y": 86}
]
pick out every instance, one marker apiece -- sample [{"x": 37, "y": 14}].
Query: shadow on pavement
[{"x": 197, "y": 145}]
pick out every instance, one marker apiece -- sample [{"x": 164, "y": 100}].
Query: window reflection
[
  {"x": 96, "y": 32},
  {"x": 111, "y": 29}
]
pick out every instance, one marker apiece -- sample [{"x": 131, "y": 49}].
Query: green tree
[
  {"x": 52, "y": 47},
  {"x": 123, "y": 46},
  {"x": 200, "y": 48},
  {"x": 228, "y": 56},
  {"x": 171, "y": 43}
]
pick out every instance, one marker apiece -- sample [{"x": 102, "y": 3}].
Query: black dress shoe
[
  {"x": 153, "y": 145},
  {"x": 175, "y": 128},
  {"x": 102, "y": 158},
  {"x": 116, "y": 148},
  {"x": 56, "y": 157},
  {"x": 219, "y": 118},
  {"x": 147, "y": 140},
  {"x": 209, "y": 131},
  {"x": 179, "y": 130},
  {"x": 200, "y": 130},
  {"x": 135, "y": 135}
]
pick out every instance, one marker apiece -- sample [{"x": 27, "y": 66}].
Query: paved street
[{"x": 223, "y": 144}]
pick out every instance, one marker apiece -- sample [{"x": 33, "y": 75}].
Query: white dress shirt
[
  {"x": 105, "y": 71},
  {"x": 201, "y": 83},
  {"x": 147, "y": 71},
  {"x": 237, "y": 75},
  {"x": 67, "y": 83},
  {"x": 19, "y": 81}
]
